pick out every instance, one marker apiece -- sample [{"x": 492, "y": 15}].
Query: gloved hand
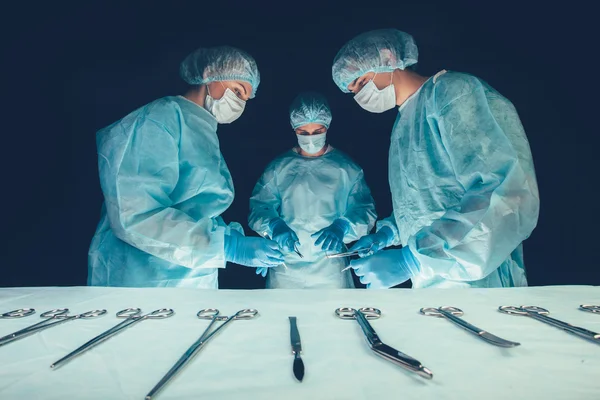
[
  {"x": 371, "y": 244},
  {"x": 387, "y": 268},
  {"x": 262, "y": 271},
  {"x": 252, "y": 251},
  {"x": 332, "y": 237},
  {"x": 283, "y": 235}
]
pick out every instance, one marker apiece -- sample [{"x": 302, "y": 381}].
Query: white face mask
[
  {"x": 227, "y": 109},
  {"x": 312, "y": 144},
  {"x": 374, "y": 100}
]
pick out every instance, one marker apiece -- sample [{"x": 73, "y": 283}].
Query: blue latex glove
[
  {"x": 332, "y": 237},
  {"x": 262, "y": 271},
  {"x": 252, "y": 251},
  {"x": 283, "y": 235},
  {"x": 387, "y": 268},
  {"x": 371, "y": 244}
]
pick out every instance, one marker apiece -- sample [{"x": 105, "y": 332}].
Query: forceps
[
  {"x": 362, "y": 315},
  {"x": 541, "y": 314},
  {"x": 452, "y": 314},
  {"x": 19, "y": 313},
  {"x": 590, "y": 308},
  {"x": 132, "y": 316},
  {"x": 213, "y": 315},
  {"x": 297, "y": 251},
  {"x": 61, "y": 315}
]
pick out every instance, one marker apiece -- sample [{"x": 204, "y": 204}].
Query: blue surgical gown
[
  {"x": 309, "y": 193},
  {"x": 165, "y": 186},
  {"x": 463, "y": 184}
]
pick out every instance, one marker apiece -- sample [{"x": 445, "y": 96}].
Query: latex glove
[
  {"x": 387, "y": 268},
  {"x": 252, "y": 251},
  {"x": 283, "y": 235},
  {"x": 262, "y": 271},
  {"x": 371, "y": 244},
  {"x": 332, "y": 237}
]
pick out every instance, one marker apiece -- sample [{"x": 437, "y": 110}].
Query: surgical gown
[
  {"x": 309, "y": 193},
  {"x": 463, "y": 184},
  {"x": 165, "y": 185}
]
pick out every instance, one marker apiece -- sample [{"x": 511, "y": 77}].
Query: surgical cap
[
  {"x": 382, "y": 50},
  {"x": 310, "y": 107},
  {"x": 221, "y": 63}
]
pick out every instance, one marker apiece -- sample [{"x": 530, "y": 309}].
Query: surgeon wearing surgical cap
[
  {"x": 461, "y": 173},
  {"x": 311, "y": 200},
  {"x": 166, "y": 184}
]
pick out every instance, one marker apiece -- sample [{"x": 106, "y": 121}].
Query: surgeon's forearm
[
  {"x": 260, "y": 221},
  {"x": 468, "y": 246},
  {"x": 172, "y": 235},
  {"x": 394, "y": 233},
  {"x": 361, "y": 221}
]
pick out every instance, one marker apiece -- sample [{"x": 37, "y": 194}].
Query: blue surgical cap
[
  {"x": 382, "y": 50},
  {"x": 221, "y": 63},
  {"x": 310, "y": 107}
]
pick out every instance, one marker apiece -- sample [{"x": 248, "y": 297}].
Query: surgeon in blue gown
[
  {"x": 166, "y": 184},
  {"x": 461, "y": 172},
  {"x": 311, "y": 200}
]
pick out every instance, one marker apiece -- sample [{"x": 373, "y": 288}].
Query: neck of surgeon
[
  {"x": 406, "y": 83},
  {"x": 197, "y": 94}
]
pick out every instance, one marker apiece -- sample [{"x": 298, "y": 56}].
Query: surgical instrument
[
  {"x": 132, "y": 316},
  {"x": 452, "y": 314},
  {"x": 362, "y": 315}
]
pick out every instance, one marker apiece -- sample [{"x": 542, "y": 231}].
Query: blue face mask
[{"x": 312, "y": 144}]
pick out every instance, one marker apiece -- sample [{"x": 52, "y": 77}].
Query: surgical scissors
[
  {"x": 61, "y": 315},
  {"x": 362, "y": 315},
  {"x": 350, "y": 253},
  {"x": 213, "y": 315},
  {"x": 19, "y": 313},
  {"x": 452, "y": 314},
  {"x": 132, "y": 316},
  {"x": 541, "y": 314},
  {"x": 590, "y": 308}
]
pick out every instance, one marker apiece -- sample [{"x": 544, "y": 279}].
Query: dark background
[{"x": 74, "y": 67}]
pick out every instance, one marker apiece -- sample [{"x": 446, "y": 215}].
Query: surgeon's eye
[{"x": 358, "y": 84}]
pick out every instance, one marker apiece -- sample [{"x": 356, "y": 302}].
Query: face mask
[
  {"x": 312, "y": 144},
  {"x": 374, "y": 100},
  {"x": 227, "y": 109}
]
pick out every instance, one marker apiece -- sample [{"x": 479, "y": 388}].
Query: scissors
[
  {"x": 52, "y": 318},
  {"x": 350, "y": 253},
  {"x": 541, "y": 314},
  {"x": 452, "y": 314},
  {"x": 590, "y": 308},
  {"x": 213, "y": 315},
  {"x": 19, "y": 313},
  {"x": 132, "y": 316},
  {"x": 362, "y": 315}
]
